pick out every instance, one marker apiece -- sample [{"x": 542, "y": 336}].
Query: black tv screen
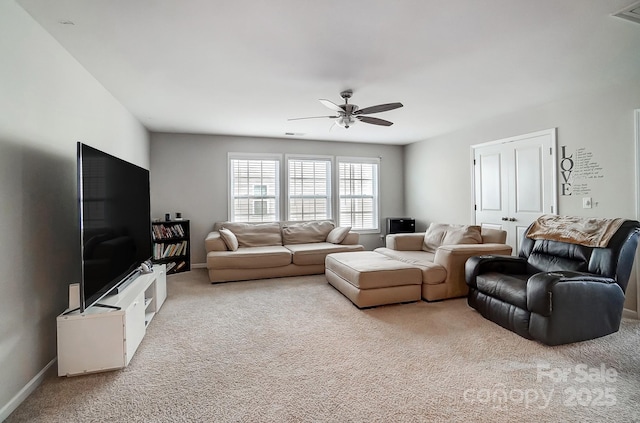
[{"x": 115, "y": 221}]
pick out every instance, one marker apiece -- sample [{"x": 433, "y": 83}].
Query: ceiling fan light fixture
[{"x": 345, "y": 121}]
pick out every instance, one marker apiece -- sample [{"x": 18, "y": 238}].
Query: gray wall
[
  {"x": 47, "y": 103},
  {"x": 189, "y": 175},
  {"x": 438, "y": 171}
]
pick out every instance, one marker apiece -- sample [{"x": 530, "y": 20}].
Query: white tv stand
[{"x": 102, "y": 339}]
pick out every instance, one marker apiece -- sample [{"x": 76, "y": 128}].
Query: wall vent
[{"x": 630, "y": 13}]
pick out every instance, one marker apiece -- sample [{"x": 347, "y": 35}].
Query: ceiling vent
[{"x": 630, "y": 13}]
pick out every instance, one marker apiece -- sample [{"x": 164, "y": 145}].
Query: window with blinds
[
  {"x": 255, "y": 190},
  {"x": 358, "y": 194},
  {"x": 309, "y": 193}
]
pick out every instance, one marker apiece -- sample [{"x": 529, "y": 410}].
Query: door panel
[
  {"x": 528, "y": 180},
  {"x": 490, "y": 189},
  {"x": 492, "y": 226}
]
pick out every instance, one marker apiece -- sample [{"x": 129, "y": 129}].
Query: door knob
[
  {"x": 505, "y": 218},
  {"x": 512, "y": 219}
]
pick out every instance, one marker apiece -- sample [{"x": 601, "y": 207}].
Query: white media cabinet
[{"x": 103, "y": 339}]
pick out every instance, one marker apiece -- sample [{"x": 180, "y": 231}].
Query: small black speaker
[{"x": 400, "y": 225}]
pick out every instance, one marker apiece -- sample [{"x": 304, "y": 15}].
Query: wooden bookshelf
[{"x": 171, "y": 245}]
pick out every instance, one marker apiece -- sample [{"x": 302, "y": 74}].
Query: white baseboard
[
  {"x": 25, "y": 392},
  {"x": 199, "y": 265},
  {"x": 630, "y": 314}
]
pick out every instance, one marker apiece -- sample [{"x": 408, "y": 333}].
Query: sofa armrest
[
  {"x": 214, "y": 242},
  {"x": 540, "y": 288},
  {"x": 405, "y": 242},
  {"x": 454, "y": 257}
]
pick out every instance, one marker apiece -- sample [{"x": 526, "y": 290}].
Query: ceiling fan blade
[
  {"x": 314, "y": 117},
  {"x": 331, "y": 105},
  {"x": 374, "y": 121},
  {"x": 377, "y": 109}
]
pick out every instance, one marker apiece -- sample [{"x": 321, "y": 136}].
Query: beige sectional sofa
[
  {"x": 243, "y": 251},
  {"x": 441, "y": 253}
]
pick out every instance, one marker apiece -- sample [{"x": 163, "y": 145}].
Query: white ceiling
[{"x": 244, "y": 67}]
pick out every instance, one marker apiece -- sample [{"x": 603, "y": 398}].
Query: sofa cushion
[
  {"x": 306, "y": 232},
  {"x": 255, "y": 234},
  {"x": 432, "y": 274},
  {"x": 442, "y": 234},
  {"x": 316, "y": 252},
  {"x": 230, "y": 240},
  {"x": 493, "y": 236},
  {"x": 337, "y": 235},
  {"x": 411, "y": 257},
  {"x": 249, "y": 258}
]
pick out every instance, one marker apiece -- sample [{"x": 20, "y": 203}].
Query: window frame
[
  {"x": 230, "y": 178},
  {"x": 330, "y": 186},
  {"x": 376, "y": 190}
]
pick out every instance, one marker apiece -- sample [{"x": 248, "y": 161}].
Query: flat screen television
[{"x": 115, "y": 222}]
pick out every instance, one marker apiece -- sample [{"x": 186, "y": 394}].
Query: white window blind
[
  {"x": 255, "y": 190},
  {"x": 358, "y": 194},
  {"x": 309, "y": 194}
]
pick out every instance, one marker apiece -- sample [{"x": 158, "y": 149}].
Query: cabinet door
[
  {"x": 161, "y": 286},
  {"x": 134, "y": 326},
  {"x": 90, "y": 343}
]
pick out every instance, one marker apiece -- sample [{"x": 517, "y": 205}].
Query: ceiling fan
[{"x": 348, "y": 114}]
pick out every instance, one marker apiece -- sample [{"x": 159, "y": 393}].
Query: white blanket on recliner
[{"x": 587, "y": 231}]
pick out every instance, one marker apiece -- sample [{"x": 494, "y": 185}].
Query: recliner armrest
[
  {"x": 540, "y": 287},
  {"x": 405, "y": 242},
  {"x": 493, "y": 263}
]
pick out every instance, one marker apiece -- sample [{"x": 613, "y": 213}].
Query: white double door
[{"x": 515, "y": 182}]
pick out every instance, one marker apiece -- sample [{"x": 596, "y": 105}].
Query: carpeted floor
[{"x": 296, "y": 350}]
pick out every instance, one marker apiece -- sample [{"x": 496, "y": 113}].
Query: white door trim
[
  {"x": 551, "y": 132},
  {"x": 636, "y": 129}
]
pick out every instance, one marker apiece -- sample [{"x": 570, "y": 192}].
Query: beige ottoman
[{"x": 370, "y": 279}]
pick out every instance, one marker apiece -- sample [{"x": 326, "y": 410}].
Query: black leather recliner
[{"x": 555, "y": 292}]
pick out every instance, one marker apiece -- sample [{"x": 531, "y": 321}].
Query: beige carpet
[{"x": 296, "y": 350}]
